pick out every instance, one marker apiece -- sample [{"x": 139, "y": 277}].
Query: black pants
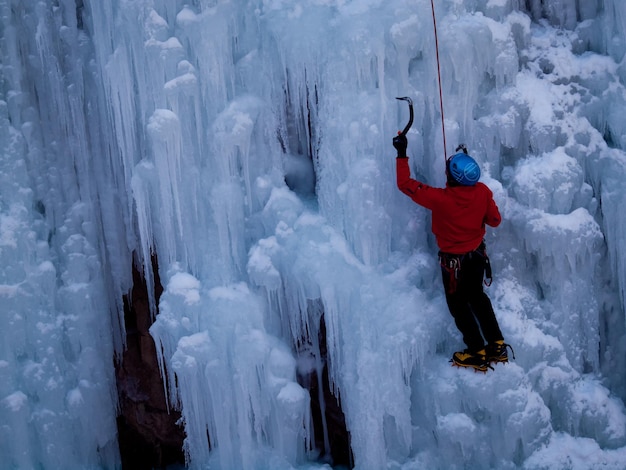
[{"x": 469, "y": 305}]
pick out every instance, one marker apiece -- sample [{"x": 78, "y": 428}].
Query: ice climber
[{"x": 459, "y": 214}]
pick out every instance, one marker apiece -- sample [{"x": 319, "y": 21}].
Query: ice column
[{"x": 57, "y": 398}]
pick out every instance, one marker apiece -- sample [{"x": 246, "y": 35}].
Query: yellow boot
[{"x": 476, "y": 360}]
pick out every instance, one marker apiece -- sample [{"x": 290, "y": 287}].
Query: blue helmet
[{"x": 463, "y": 169}]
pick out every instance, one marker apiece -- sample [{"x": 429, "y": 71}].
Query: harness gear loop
[
  {"x": 482, "y": 250},
  {"x": 488, "y": 277},
  {"x": 452, "y": 265}
]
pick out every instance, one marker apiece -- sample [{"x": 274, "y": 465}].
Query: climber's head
[{"x": 461, "y": 169}]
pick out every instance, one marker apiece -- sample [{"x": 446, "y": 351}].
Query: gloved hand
[{"x": 399, "y": 142}]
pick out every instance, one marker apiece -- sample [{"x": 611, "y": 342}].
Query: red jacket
[{"x": 459, "y": 212}]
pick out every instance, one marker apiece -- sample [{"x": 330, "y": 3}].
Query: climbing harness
[{"x": 451, "y": 263}]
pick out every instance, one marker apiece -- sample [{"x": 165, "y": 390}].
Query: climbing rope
[{"x": 443, "y": 127}]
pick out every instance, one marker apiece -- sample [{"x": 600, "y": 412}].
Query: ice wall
[
  {"x": 506, "y": 91},
  {"x": 194, "y": 132},
  {"x": 59, "y": 226}
]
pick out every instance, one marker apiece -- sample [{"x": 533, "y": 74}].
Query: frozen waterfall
[{"x": 237, "y": 153}]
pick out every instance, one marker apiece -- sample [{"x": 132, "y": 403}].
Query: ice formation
[{"x": 246, "y": 146}]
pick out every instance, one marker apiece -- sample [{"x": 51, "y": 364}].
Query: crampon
[
  {"x": 477, "y": 361},
  {"x": 497, "y": 352}
]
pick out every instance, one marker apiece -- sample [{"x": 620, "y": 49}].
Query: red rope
[{"x": 443, "y": 127}]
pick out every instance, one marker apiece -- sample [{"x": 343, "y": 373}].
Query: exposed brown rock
[
  {"x": 149, "y": 436},
  {"x": 340, "y": 452}
]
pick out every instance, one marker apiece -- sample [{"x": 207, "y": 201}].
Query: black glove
[{"x": 399, "y": 142}]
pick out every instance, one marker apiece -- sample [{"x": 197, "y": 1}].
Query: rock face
[
  {"x": 340, "y": 453},
  {"x": 149, "y": 436},
  {"x": 325, "y": 407}
]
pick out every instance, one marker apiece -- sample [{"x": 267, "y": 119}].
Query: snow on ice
[{"x": 246, "y": 147}]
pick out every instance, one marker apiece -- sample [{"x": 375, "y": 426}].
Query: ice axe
[{"x": 408, "y": 126}]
